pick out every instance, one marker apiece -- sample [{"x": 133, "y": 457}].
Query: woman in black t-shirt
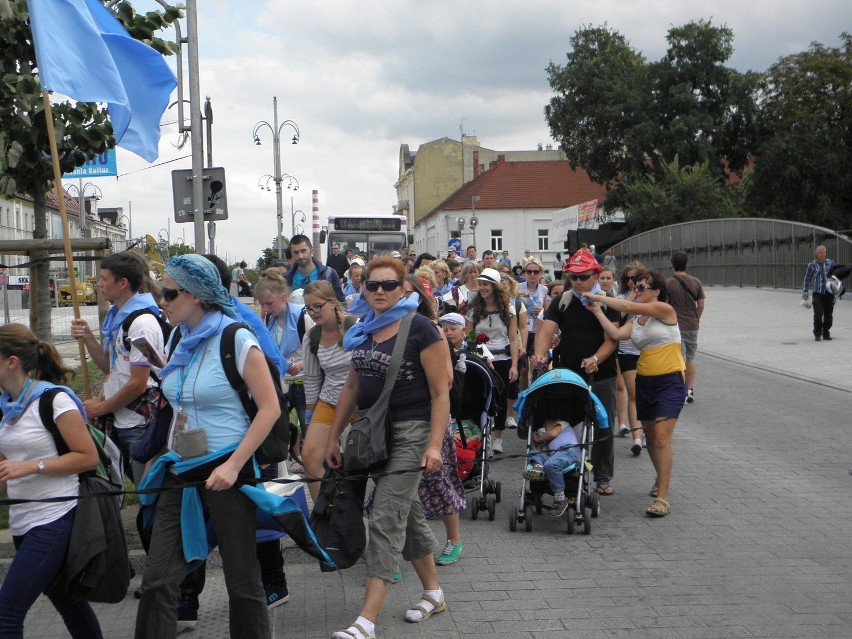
[{"x": 420, "y": 408}]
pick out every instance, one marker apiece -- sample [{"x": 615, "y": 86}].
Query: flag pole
[{"x": 66, "y": 234}]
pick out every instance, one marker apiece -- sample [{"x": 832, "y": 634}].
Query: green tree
[
  {"x": 679, "y": 194},
  {"x": 624, "y": 119},
  {"x": 180, "y": 249},
  {"x": 267, "y": 257},
  {"x": 599, "y": 113},
  {"x": 83, "y": 130},
  {"x": 803, "y": 169}
]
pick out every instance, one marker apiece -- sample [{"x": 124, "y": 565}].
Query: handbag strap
[{"x": 396, "y": 358}]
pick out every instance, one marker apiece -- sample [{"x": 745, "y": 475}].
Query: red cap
[{"x": 581, "y": 262}]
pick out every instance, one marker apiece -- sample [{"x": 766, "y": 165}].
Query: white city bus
[{"x": 366, "y": 235}]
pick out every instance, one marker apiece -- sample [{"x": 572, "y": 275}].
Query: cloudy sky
[{"x": 361, "y": 78}]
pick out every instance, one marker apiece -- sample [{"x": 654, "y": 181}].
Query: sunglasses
[
  {"x": 532, "y": 272},
  {"x": 387, "y": 285},
  {"x": 170, "y": 294},
  {"x": 641, "y": 287},
  {"x": 573, "y": 277},
  {"x": 631, "y": 278},
  {"x": 315, "y": 308}
]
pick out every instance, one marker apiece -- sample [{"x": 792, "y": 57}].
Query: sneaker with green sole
[{"x": 450, "y": 554}]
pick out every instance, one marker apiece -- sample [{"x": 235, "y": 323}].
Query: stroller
[
  {"x": 478, "y": 394},
  {"x": 560, "y": 394}
]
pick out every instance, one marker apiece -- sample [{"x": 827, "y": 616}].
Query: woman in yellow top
[{"x": 660, "y": 371}]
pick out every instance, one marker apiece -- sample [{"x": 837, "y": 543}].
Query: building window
[
  {"x": 496, "y": 239},
  {"x": 543, "y": 235}
]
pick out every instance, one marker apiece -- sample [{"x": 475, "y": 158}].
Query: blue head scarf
[{"x": 198, "y": 276}]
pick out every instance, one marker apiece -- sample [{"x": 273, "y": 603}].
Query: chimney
[
  {"x": 476, "y": 164},
  {"x": 316, "y": 217}
]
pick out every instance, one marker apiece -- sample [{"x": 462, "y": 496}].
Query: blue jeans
[
  {"x": 556, "y": 464},
  {"x": 126, "y": 440},
  {"x": 40, "y": 556}
]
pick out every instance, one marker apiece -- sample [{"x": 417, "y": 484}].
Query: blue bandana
[
  {"x": 115, "y": 316},
  {"x": 371, "y": 323},
  {"x": 199, "y": 277},
  {"x": 13, "y": 409}
]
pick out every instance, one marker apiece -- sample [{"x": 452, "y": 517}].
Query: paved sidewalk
[{"x": 757, "y": 544}]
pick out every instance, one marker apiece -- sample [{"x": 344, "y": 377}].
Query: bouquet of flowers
[{"x": 473, "y": 342}]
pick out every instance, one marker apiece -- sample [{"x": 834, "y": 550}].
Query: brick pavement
[{"x": 757, "y": 544}]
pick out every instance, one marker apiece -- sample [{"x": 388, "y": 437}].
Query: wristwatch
[{"x": 40, "y": 467}]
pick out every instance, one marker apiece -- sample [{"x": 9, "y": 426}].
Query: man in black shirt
[
  {"x": 337, "y": 260},
  {"x": 585, "y": 349}
]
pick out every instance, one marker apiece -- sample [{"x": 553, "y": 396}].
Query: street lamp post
[
  {"x": 293, "y": 214},
  {"x": 80, "y": 191},
  {"x": 276, "y": 128}
]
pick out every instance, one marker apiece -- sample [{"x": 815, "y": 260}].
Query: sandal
[
  {"x": 660, "y": 508},
  {"x": 426, "y": 607},
  {"x": 355, "y": 631},
  {"x": 605, "y": 489},
  {"x": 655, "y": 489}
]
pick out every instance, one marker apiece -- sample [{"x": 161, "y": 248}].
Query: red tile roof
[{"x": 545, "y": 184}]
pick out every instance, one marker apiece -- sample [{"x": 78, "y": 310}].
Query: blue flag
[{"x": 84, "y": 52}]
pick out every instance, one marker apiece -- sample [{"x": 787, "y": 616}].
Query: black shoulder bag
[{"x": 368, "y": 444}]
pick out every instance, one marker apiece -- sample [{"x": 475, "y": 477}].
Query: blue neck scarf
[
  {"x": 115, "y": 316},
  {"x": 264, "y": 337},
  {"x": 289, "y": 341},
  {"x": 212, "y": 323},
  {"x": 359, "y": 306},
  {"x": 12, "y": 409},
  {"x": 371, "y": 323},
  {"x": 585, "y": 300}
]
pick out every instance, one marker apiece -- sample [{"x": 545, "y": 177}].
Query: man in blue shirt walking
[
  {"x": 823, "y": 301},
  {"x": 307, "y": 268}
]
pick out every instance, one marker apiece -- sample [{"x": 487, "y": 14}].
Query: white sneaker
[
  {"x": 511, "y": 423},
  {"x": 497, "y": 445},
  {"x": 636, "y": 448},
  {"x": 624, "y": 430}
]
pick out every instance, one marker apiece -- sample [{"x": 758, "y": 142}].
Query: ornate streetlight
[{"x": 275, "y": 128}]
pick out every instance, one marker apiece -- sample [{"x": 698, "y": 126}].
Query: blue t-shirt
[
  {"x": 208, "y": 400},
  {"x": 300, "y": 280}
]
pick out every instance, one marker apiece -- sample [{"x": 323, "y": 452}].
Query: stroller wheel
[
  {"x": 587, "y": 521},
  {"x": 538, "y": 507},
  {"x": 498, "y": 489},
  {"x": 474, "y": 508},
  {"x": 491, "y": 504},
  {"x": 513, "y": 520},
  {"x": 528, "y": 518},
  {"x": 571, "y": 515},
  {"x": 595, "y": 504}
]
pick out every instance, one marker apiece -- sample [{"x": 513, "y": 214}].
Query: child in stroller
[{"x": 559, "y": 455}]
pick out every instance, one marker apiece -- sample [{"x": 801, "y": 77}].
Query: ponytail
[{"x": 37, "y": 357}]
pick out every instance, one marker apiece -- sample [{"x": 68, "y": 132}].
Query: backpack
[
  {"x": 338, "y": 520},
  {"x": 276, "y": 446},
  {"x": 316, "y": 332},
  {"x": 97, "y": 565},
  {"x": 165, "y": 327}
]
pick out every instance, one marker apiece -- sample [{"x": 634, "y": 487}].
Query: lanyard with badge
[{"x": 188, "y": 443}]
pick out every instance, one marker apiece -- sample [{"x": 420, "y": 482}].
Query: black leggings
[{"x": 502, "y": 369}]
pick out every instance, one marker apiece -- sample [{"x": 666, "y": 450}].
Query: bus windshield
[{"x": 367, "y": 244}]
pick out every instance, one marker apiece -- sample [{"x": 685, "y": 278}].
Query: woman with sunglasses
[
  {"x": 491, "y": 313},
  {"x": 209, "y": 419},
  {"x": 660, "y": 373},
  {"x": 272, "y": 293},
  {"x": 420, "y": 409},
  {"x": 628, "y": 356},
  {"x": 325, "y": 373},
  {"x": 32, "y": 468},
  {"x": 534, "y": 293}
]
